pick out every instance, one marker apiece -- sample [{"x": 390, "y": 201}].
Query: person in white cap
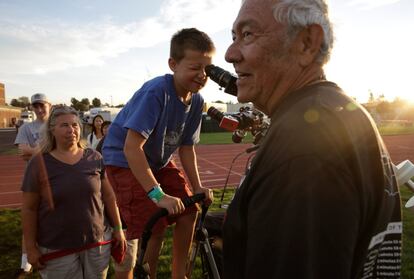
[
  {"x": 27, "y": 140},
  {"x": 27, "y": 137}
]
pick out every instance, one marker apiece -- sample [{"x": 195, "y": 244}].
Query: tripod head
[{"x": 246, "y": 120}]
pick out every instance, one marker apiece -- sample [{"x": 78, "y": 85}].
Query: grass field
[
  {"x": 225, "y": 137},
  {"x": 395, "y": 130},
  {"x": 221, "y": 138},
  {"x": 11, "y": 151}
]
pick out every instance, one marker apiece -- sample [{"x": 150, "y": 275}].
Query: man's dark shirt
[{"x": 321, "y": 199}]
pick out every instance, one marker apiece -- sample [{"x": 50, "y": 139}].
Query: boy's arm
[
  {"x": 23, "y": 143},
  {"x": 26, "y": 151},
  {"x": 189, "y": 162},
  {"x": 137, "y": 161}
]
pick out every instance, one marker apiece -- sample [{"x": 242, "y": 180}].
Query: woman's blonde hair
[{"x": 48, "y": 142}]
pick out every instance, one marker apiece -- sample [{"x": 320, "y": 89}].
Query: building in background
[
  {"x": 2, "y": 95},
  {"x": 8, "y": 114}
]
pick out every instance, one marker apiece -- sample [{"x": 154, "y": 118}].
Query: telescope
[
  {"x": 223, "y": 78},
  {"x": 246, "y": 119},
  {"x": 240, "y": 123}
]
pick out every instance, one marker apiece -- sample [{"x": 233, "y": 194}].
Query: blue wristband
[{"x": 156, "y": 194}]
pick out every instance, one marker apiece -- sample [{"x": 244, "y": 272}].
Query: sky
[{"x": 108, "y": 49}]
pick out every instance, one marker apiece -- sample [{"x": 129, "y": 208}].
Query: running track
[{"x": 213, "y": 160}]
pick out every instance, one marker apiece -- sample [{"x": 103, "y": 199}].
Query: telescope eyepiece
[{"x": 223, "y": 78}]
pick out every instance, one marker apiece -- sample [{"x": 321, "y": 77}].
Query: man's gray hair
[{"x": 297, "y": 14}]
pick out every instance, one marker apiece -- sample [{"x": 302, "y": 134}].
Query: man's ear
[
  {"x": 310, "y": 41},
  {"x": 172, "y": 63}
]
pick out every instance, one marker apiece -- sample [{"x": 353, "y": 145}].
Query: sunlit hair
[
  {"x": 48, "y": 142},
  {"x": 297, "y": 14},
  {"x": 190, "y": 38}
]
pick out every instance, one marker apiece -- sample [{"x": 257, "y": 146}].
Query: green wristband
[{"x": 117, "y": 228}]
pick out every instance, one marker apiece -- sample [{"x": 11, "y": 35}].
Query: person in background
[
  {"x": 65, "y": 191},
  {"x": 27, "y": 141},
  {"x": 321, "y": 199},
  {"x": 95, "y": 136},
  {"x": 162, "y": 116},
  {"x": 104, "y": 130},
  {"x": 28, "y": 135}
]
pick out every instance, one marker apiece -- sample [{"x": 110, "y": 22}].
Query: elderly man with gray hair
[{"x": 321, "y": 200}]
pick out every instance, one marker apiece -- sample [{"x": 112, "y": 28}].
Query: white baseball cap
[{"x": 39, "y": 98}]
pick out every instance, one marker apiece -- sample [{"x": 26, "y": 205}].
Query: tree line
[
  {"x": 80, "y": 105},
  {"x": 379, "y": 107}
]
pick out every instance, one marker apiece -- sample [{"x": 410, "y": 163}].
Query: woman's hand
[
  {"x": 120, "y": 239},
  {"x": 33, "y": 257}
]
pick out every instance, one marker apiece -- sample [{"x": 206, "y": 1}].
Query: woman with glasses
[{"x": 65, "y": 190}]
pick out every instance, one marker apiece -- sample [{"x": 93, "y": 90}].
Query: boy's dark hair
[{"x": 189, "y": 38}]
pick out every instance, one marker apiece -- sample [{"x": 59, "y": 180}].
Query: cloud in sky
[
  {"x": 371, "y": 4},
  {"x": 56, "y": 45}
]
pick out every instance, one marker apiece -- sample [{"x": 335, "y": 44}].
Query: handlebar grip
[{"x": 189, "y": 201}]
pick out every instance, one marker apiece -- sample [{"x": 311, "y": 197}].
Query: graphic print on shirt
[
  {"x": 384, "y": 251},
  {"x": 171, "y": 141}
]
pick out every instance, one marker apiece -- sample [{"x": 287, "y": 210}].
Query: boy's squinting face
[{"x": 189, "y": 74}]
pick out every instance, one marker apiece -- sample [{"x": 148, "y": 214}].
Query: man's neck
[
  {"x": 310, "y": 76},
  {"x": 41, "y": 120}
]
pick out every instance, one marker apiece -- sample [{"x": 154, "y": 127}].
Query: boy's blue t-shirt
[{"x": 157, "y": 114}]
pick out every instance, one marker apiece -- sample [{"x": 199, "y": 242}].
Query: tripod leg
[
  {"x": 208, "y": 254},
  {"x": 195, "y": 247}
]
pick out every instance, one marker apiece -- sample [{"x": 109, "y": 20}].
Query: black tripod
[{"x": 141, "y": 270}]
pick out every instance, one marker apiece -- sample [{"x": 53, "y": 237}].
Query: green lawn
[
  {"x": 221, "y": 138},
  {"x": 11, "y": 151},
  {"x": 225, "y": 137},
  {"x": 395, "y": 130}
]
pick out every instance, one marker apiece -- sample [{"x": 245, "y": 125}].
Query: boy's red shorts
[{"x": 134, "y": 205}]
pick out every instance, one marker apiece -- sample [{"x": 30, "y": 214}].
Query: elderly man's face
[{"x": 258, "y": 52}]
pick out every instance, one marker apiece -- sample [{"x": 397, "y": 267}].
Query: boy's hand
[
  {"x": 172, "y": 204},
  {"x": 209, "y": 195},
  {"x": 26, "y": 151}
]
